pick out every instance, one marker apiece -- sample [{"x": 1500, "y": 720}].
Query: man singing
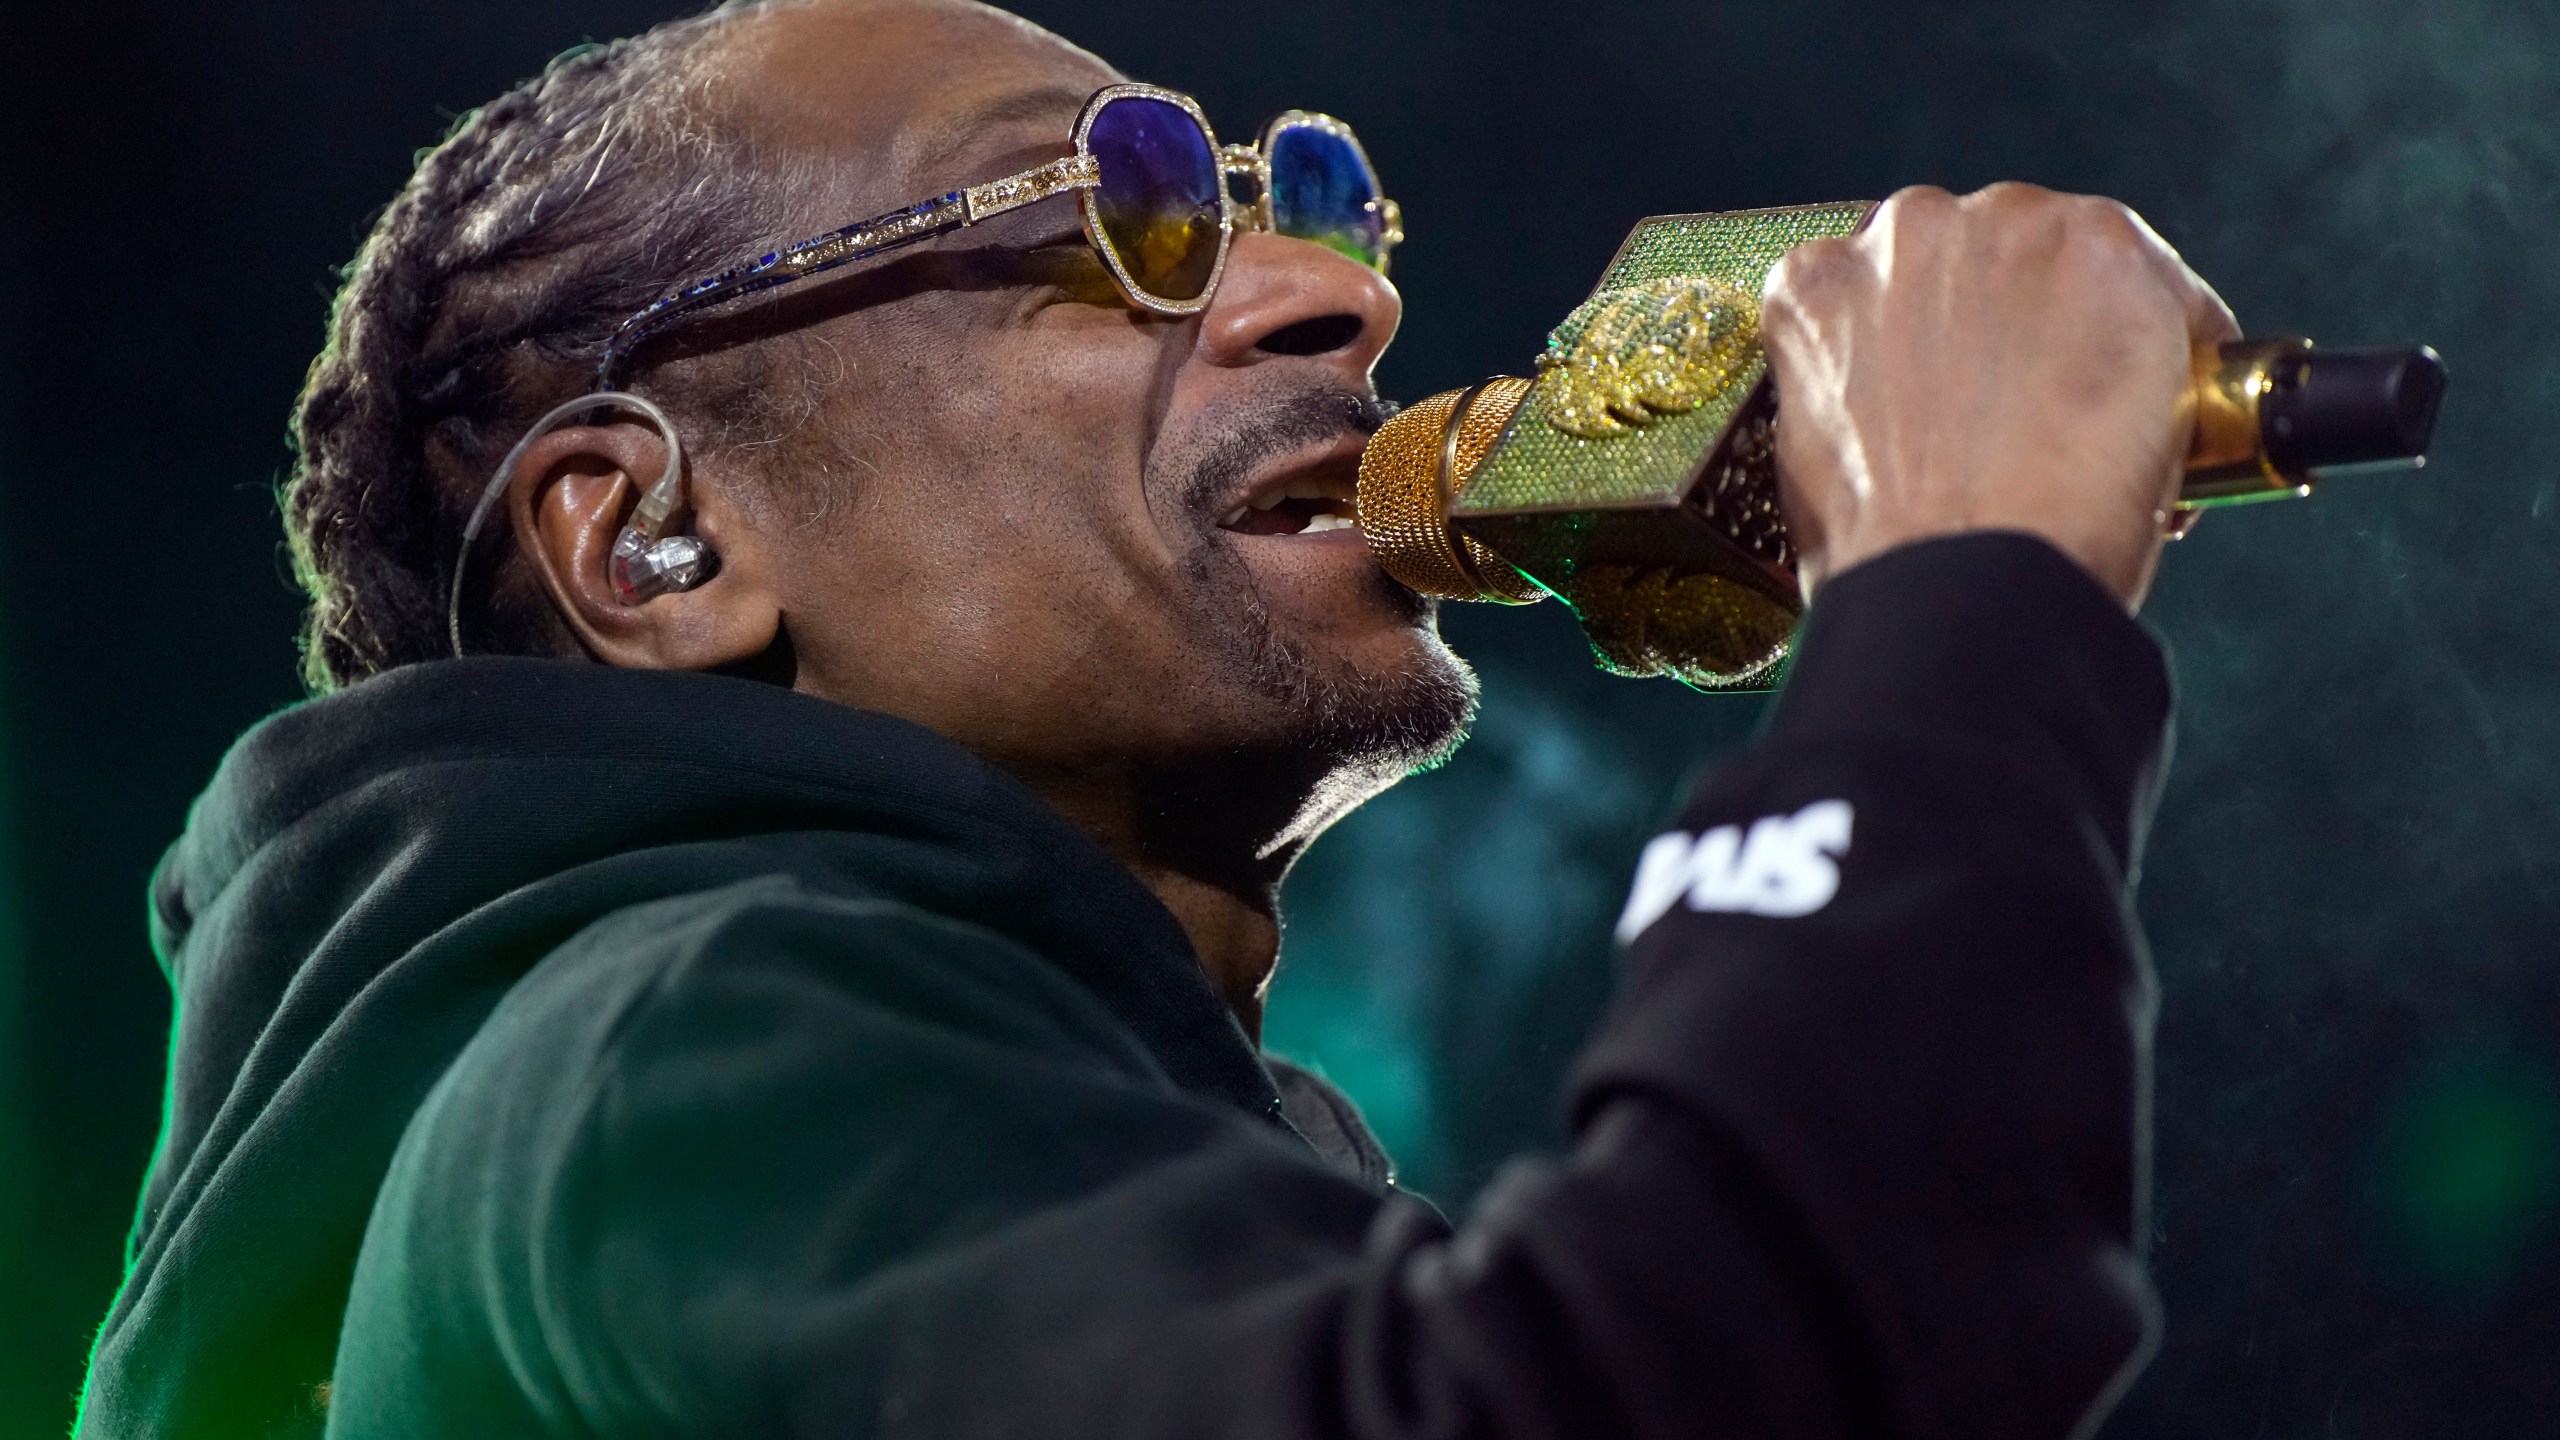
[{"x": 799, "y": 973}]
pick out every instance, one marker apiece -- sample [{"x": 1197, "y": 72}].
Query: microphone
[{"x": 1635, "y": 476}]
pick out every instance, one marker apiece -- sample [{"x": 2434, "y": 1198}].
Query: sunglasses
[{"x": 1162, "y": 200}]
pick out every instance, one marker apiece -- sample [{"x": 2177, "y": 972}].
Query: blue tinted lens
[
  {"x": 1322, "y": 190},
  {"x": 1158, "y": 197}
]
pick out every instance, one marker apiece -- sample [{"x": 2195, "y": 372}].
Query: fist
[{"x": 2014, "y": 359}]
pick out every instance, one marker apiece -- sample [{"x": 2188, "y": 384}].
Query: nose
[{"x": 1286, "y": 297}]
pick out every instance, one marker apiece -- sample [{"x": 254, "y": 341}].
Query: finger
[
  {"x": 1807, "y": 279},
  {"x": 1916, "y": 205},
  {"x": 2208, "y": 318}
]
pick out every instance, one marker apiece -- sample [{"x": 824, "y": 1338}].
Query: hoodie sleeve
[{"x": 1859, "y": 1153}]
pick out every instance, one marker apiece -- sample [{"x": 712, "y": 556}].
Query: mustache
[{"x": 1304, "y": 418}]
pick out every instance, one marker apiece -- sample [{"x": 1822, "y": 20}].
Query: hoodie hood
[{"x": 367, "y": 875}]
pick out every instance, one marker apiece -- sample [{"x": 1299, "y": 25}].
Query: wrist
[{"x": 2117, "y": 552}]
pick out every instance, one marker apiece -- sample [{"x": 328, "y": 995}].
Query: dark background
[{"x": 2348, "y": 892}]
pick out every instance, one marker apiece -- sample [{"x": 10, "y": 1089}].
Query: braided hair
[{"x": 483, "y": 296}]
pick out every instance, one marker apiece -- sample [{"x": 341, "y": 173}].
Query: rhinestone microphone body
[{"x": 1635, "y": 476}]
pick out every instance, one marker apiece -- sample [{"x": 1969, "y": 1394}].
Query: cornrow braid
[{"x": 483, "y": 296}]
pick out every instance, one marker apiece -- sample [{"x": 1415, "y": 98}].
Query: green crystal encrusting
[{"x": 1536, "y": 466}]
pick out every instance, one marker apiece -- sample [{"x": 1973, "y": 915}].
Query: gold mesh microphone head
[{"x": 1409, "y": 472}]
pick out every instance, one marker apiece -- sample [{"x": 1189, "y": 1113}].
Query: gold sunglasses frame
[
  {"x": 1251, "y": 161},
  {"x": 957, "y": 209},
  {"x": 1089, "y": 203},
  {"x": 1255, "y": 160}
]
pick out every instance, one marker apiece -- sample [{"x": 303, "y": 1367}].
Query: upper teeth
[
  {"x": 1309, "y": 489},
  {"x": 1300, "y": 490}
]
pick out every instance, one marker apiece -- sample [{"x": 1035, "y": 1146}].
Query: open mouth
[{"x": 1310, "y": 502}]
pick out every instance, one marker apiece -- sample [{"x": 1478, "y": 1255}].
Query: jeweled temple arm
[{"x": 858, "y": 241}]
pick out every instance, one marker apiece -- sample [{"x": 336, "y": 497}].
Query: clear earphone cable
[{"x": 648, "y": 521}]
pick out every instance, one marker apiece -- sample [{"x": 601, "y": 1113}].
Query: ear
[{"x": 573, "y": 492}]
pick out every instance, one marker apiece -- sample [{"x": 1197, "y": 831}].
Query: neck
[
  {"x": 1213, "y": 849},
  {"x": 1236, "y": 935}
]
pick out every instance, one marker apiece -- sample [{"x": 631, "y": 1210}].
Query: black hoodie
[{"x": 571, "y": 1051}]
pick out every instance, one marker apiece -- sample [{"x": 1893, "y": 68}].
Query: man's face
[{"x": 1071, "y": 535}]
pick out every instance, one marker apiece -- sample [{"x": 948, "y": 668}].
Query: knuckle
[
  {"x": 2030, "y": 224},
  {"x": 2110, "y": 224},
  {"x": 1804, "y": 274},
  {"x": 2013, "y": 220},
  {"x": 2014, "y": 197},
  {"x": 1919, "y": 197},
  {"x": 1912, "y": 206}
]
